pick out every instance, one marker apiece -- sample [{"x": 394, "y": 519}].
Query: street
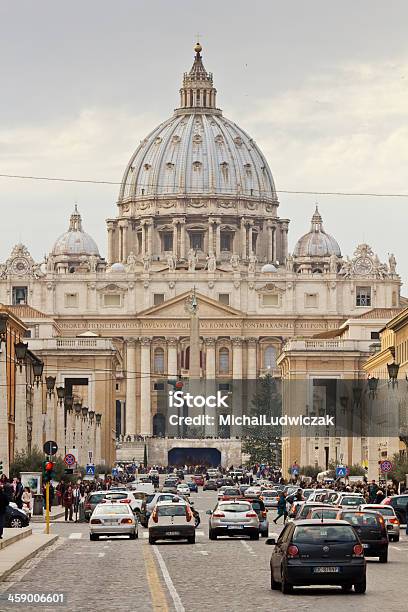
[{"x": 226, "y": 574}]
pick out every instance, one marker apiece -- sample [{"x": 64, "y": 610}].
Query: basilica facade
[{"x": 197, "y": 208}]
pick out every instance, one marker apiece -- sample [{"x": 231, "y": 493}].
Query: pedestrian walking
[
  {"x": 68, "y": 503},
  {"x": 282, "y": 509},
  {"x": 27, "y": 500},
  {"x": 4, "y": 502},
  {"x": 18, "y": 493}
]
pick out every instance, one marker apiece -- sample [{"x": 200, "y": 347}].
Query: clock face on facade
[
  {"x": 19, "y": 266},
  {"x": 363, "y": 265}
]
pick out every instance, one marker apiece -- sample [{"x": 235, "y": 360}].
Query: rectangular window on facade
[
  {"x": 375, "y": 335},
  {"x": 158, "y": 386},
  {"x": 71, "y": 300},
  {"x": 311, "y": 300},
  {"x": 223, "y": 387},
  {"x": 270, "y": 300},
  {"x": 226, "y": 241},
  {"x": 111, "y": 300},
  {"x": 363, "y": 296},
  {"x": 197, "y": 241},
  {"x": 158, "y": 298},
  {"x": 224, "y": 298},
  {"x": 167, "y": 241},
  {"x": 19, "y": 295}
]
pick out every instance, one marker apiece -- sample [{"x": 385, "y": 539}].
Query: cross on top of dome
[
  {"x": 317, "y": 221},
  {"x": 75, "y": 222}
]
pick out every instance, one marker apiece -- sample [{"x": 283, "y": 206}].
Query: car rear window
[
  {"x": 304, "y": 511},
  {"x": 385, "y": 511},
  {"x": 234, "y": 507},
  {"x": 231, "y": 492},
  {"x": 327, "y": 514},
  {"x": 112, "y": 509},
  {"x": 139, "y": 495},
  {"x": 352, "y": 501},
  {"x": 362, "y": 519},
  {"x": 116, "y": 495},
  {"x": 97, "y": 497},
  {"x": 170, "y": 483},
  {"x": 171, "y": 510},
  {"x": 270, "y": 494},
  {"x": 149, "y": 498},
  {"x": 318, "y": 534}
]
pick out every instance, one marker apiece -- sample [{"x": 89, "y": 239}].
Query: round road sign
[
  {"x": 386, "y": 466},
  {"x": 69, "y": 459},
  {"x": 50, "y": 447}
]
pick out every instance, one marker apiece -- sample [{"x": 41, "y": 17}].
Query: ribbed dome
[
  {"x": 197, "y": 151},
  {"x": 75, "y": 241},
  {"x": 316, "y": 243}
]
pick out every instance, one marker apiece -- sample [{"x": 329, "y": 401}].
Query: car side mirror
[
  {"x": 270, "y": 541},
  {"x": 209, "y": 512}
]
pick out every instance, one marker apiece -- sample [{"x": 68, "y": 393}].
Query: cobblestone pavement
[{"x": 227, "y": 575}]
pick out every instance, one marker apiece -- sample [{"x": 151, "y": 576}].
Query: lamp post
[
  {"x": 60, "y": 395},
  {"x": 98, "y": 434},
  {"x": 20, "y": 353},
  {"x": 50, "y": 384},
  {"x": 393, "y": 369},
  {"x": 38, "y": 368}
]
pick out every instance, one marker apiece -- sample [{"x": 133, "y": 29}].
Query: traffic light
[
  {"x": 48, "y": 471},
  {"x": 1, "y": 466},
  {"x": 176, "y": 384}
]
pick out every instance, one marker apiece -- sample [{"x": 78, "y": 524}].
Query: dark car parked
[
  {"x": 371, "y": 529},
  {"x": 399, "y": 503},
  {"x": 210, "y": 485},
  {"x": 310, "y": 552},
  {"x": 15, "y": 517}
]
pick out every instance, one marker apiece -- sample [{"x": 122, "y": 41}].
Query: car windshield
[
  {"x": 171, "y": 510},
  {"x": 95, "y": 499},
  {"x": 352, "y": 501},
  {"x": 318, "y": 534},
  {"x": 362, "y": 519},
  {"x": 111, "y": 509},
  {"x": 235, "y": 507}
]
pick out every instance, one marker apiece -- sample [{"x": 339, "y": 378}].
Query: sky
[{"x": 322, "y": 87}]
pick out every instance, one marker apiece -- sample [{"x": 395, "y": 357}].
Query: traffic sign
[
  {"x": 386, "y": 466},
  {"x": 295, "y": 469},
  {"x": 90, "y": 470},
  {"x": 69, "y": 459},
  {"x": 342, "y": 471},
  {"x": 115, "y": 471},
  {"x": 50, "y": 447}
]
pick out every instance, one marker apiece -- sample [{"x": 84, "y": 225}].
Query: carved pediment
[
  {"x": 113, "y": 288},
  {"x": 207, "y": 308},
  {"x": 270, "y": 288}
]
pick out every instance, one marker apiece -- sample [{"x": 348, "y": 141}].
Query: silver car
[
  {"x": 390, "y": 518},
  {"x": 172, "y": 520},
  {"x": 234, "y": 517},
  {"x": 270, "y": 498},
  {"x": 112, "y": 519}
]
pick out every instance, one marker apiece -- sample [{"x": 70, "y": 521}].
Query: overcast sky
[{"x": 321, "y": 86}]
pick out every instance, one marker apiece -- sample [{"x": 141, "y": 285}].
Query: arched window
[
  {"x": 223, "y": 361},
  {"x": 158, "y": 361},
  {"x": 270, "y": 358}
]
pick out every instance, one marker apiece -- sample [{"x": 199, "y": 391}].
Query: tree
[
  {"x": 400, "y": 468},
  {"x": 262, "y": 442},
  {"x": 357, "y": 470},
  {"x": 310, "y": 471},
  {"x": 32, "y": 462}
]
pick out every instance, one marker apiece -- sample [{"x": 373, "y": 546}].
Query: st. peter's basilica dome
[
  {"x": 316, "y": 243},
  {"x": 75, "y": 241}
]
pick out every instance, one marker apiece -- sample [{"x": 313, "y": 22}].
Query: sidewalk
[
  {"x": 55, "y": 513},
  {"x": 18, "y": 546}
]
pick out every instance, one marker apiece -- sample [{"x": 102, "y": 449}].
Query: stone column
[
  {"x": 175, "y": 238},
  {"x": 20, "y": 409},
  {"x": 251, "y": 361},
  {"x": 122, "y": 417},
  {"x": 210, "y": 385},
  {"x": 36, "y": 439},
  {"x": 284, "y": 231},
  {"x": 120, "y": 249},
  {"x": 124, "y": 241},
  {"x": 270, "y": 242},
  {"x": 131, "y": 387},
  {"x": 243, "y": 239},
  {"x": 143, "y": 226},
  {"x": 251, "y": 223},
  {"x": 111, "y": 247},
  {"x": 236, "y": 403},
  {"x": 150, "y": 238},
  {"x": 172, "y": 357},
  {"x": 182, "y": 238},
  {"x": 145, "y": 387},
  {"x": 218, "y": 238},
  {"x": 210, "y": 236}
]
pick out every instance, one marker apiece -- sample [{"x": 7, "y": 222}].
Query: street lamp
[
  {"x": 68, "y": 402},
  {"x": 50, "y": 383},
  {"x": 372, "y": 385},
  {"x": 38, "y": 368},
  {"x": 21, "y": 353},
  {"x": 84, "y": 412},
  {"x": 91, "y": 414},
  {"x": 393, "y": 369},
  {"x": 98, "y": 418},
  {"x": 60, "y": 395},
  {"x": 3, "y": 328}
]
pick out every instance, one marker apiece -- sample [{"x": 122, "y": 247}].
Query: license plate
[
  {"x": 326, "y": 570},
  {"x": 235, "y": 526},
  {"x": 173, "y": 533},
  {"x": 111, "y": 521},
  {"x": 365, "y": 545}
]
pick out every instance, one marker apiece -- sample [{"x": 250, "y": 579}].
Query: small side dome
[
  {"x": 316, "y": 243},
  {"x": 75, "y": 241},
  {"x": 117, "y": 267},
  {"x": 268, "y": 268}
]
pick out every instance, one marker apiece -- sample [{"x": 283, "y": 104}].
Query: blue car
[{"x": 192, "y": 486}]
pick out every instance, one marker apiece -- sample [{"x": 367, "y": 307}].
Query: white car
[
  {"x": 171, "y": 520},
  {"x": 270, "y": 498},
  {"x": 183, "y": 489},
  {"x": 112, "y": 519},
  {"x": 253, "y": 491},
  {"x": 132, "y": 498}
]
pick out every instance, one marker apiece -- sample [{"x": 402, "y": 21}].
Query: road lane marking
[
  {"x": 157, "y": 595},
  {"x": 172, "y": 589},
  {"x": 247, "y": 546},
  {"x": 199, "y": 532},
  {"x": 75, "y": 536},
  {"x": 201, "y": 552},
  {"x": 396, "y": 548}
]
